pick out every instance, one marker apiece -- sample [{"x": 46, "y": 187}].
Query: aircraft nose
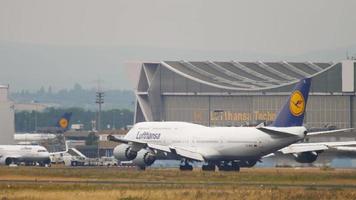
[{"x": 44, "y": 154}]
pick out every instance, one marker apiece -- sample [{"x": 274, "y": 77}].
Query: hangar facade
[{"x": 237, "y": 93}]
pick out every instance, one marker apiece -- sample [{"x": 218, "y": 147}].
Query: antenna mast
[{"x": 99, "y": 101}]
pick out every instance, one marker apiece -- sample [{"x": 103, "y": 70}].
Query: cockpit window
[{"x": 41, "y": 150}]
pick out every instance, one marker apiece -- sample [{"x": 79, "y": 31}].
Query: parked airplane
[
  {"x": 228, "y": 148},
  {"x": 33, "y": 137},
  {"x": 29, "y": 154},
  {"x": 30, "y": 138}
]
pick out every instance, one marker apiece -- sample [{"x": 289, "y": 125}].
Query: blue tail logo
[
  {"x": 63, "y": 122},
  {"x": 292, "y": 113}
]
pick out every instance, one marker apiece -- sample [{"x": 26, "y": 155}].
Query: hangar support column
[
  {"x": 7, "y": 124},
  {"x": 148, "y": 97}
]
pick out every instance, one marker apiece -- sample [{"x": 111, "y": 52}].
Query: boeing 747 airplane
[{"x": 227, "y": 148}]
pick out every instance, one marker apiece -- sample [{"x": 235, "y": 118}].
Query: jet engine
[
  {"x": 6, "y": 160},
  {"x": 144, "y": 158},
  {"x": 306, "y": 157},
  {"x": 124, "y": 152}
]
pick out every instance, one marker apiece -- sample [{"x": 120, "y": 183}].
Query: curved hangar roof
[{"x": 248, "y": 76}]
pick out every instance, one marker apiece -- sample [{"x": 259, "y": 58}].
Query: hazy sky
[{"x": 71, "y": 33}]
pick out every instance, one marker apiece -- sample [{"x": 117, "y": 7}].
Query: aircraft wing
[
  {"x": 187, "y": 153},
  {"x": 123, "y": 140},
  {"x": 179, "y": 151},
  {"x": 182, "y": 152},
  {"x": 331, "y": 131},
  {"x": 320, "y": 146}
]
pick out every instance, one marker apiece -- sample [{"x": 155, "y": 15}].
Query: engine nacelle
[
  {"x": 144, "y": 158},
  {"x": 124, "y": 152},
  {"x": 306, "y": 157},
  {"x": 6, "y": 160}
]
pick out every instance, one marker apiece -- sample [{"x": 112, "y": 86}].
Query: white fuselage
[
  {"x": 33, "y": 137},
  {"x": 215, "y": 143},
  {"x": 23, "y": 153}
]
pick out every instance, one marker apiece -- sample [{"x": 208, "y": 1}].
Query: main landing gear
[
  {"x": 185, "y": 166},
  {"x": 229, "y": 166},
  {"x": 209, "y": 167}
]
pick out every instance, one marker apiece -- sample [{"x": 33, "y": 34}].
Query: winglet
[{"x": 292, "y": 113}]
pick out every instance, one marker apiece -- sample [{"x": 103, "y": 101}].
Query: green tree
[
  {"x": 92, "y": 139},
  {"x": 28, "y": 121}
]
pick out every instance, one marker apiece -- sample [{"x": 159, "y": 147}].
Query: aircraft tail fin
[
  {"x": 63, "y": 122},
  {"x": 292, "y": 113}
]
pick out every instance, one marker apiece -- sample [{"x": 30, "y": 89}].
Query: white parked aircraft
[
  {"x": 47, "y": 133},
  {"x": 33, "y": 137},
  {"x": 228, "y": 148},
  {"x": 29, "y": 154}
]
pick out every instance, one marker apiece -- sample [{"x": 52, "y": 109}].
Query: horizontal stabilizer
[
  {"x": 331, "y": 131},
  {"x": 303, "y": 148},
  {"x": 275, "y": 133},
  {"x": 320, "y": 146}
]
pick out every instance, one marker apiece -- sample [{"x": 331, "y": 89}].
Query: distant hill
[{"x": 77, "y": 97}]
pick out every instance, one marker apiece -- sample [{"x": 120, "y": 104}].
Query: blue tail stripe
[{"x": 292, "y": 113}]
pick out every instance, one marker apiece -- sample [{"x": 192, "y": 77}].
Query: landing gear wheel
[
  {"x": 185, "y": 166},
  {"x": 74, "y": 163},
  {"x": 235, "y": 167},
  {"x": 229, "y": 166},
  {"x": 208, "y": 167}
]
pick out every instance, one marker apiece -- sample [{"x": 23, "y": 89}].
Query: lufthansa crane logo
[
  {"x": 297, "y": 103},
  {"x": 63, "y": 123}
]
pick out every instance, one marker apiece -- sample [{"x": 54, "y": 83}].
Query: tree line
[
  {"x": 30, "y": 121},
  {"x": 77, "y": 97}
]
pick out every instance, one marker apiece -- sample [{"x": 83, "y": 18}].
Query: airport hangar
[{"x": 244, "y": 93}]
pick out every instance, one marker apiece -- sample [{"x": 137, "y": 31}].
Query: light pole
[
  {"x": 99, "y": 101},
  {"x": 113, "y": 119}
]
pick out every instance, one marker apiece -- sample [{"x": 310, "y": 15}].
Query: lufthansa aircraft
[
  {"x": 227, "y": 148},
  {"x": 46, "y": 134},
  {"x": 29, "y": 154}
]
